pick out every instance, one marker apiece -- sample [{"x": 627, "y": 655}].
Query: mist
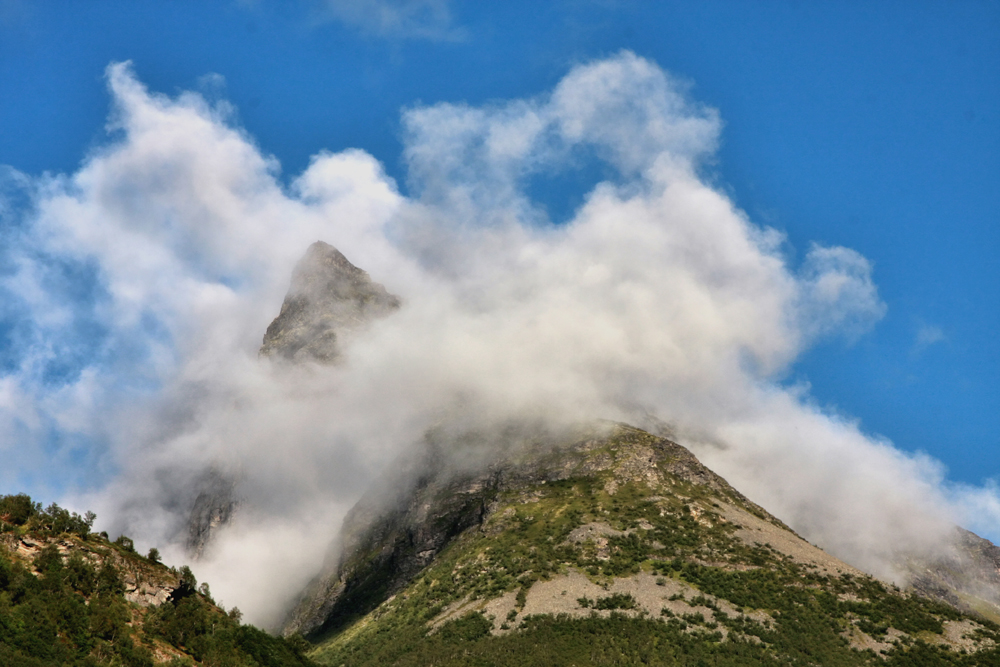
[{"x": 149, "y": 275}]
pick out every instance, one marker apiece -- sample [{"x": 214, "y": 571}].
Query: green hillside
[
  {"x": 615, "y": 547},
  {"x": 70, "y": 597}
]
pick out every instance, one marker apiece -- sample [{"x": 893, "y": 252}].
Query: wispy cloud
[
  {"x": 414, "y": 19},
  {"x": 927, "y": 335}
]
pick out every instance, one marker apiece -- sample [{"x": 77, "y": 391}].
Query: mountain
[
  {"x": 601, "y": 544},
  {"x": 70, "y": 597},
  {"x": 604, "y": 545},
  {"x": 968, "y": 577}
]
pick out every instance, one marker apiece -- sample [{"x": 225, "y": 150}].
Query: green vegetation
[
  {"x": 620, "y": 640},
  {"x": 70, "y": 609},
  {"x": 615, "y": 601},
  {"x": 19, "y": 511}
]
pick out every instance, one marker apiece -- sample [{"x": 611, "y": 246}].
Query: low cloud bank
[{"x": 136, "y": 291}]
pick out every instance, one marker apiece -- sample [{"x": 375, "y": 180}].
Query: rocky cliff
[{"x": 213, "y": 507}]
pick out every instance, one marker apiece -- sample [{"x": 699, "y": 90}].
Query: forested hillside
[{"x": 71, "y": 597}]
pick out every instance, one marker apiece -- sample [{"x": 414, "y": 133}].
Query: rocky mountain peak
[{"x": 329, "y": 298}]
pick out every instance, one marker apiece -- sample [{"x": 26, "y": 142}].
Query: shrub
[
  {"x": 470, "y": 627},
  {"x": 616, "y": 601}
]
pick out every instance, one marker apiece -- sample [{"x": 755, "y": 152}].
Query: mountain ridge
[{"x": 372, "y": 522}]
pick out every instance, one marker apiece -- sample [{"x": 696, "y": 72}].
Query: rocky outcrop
[
  {"x": 329, "y": 298},
  {"x": 213, "y": 507},
  {"x": 146, "y": 584}
]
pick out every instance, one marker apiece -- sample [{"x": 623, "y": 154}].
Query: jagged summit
[{"x": 328, "y": 298}]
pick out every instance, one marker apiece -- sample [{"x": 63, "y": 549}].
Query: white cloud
[
  {"x": 658, "y": 295},
  {"x": 927, "y": 335},
  {"x": 421, "y": 19},
  {"x": 838, "y": 292}
]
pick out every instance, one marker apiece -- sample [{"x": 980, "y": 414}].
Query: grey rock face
[
  {"x": 213, "y": 507},
  {"x": 329, "y": 297}
]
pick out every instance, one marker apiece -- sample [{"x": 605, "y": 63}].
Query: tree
[
  {"x": 236, "y": 615},
  {"x": 187, "y": 578},
  {"x": 17, "y": 509},
  {"x": 154, "y": 555},
  {"x": 125, "y": 543}
]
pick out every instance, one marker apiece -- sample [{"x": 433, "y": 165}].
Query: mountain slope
[
  {"x": 604, "y": 546},
  {"x": 968, "y": 578}
]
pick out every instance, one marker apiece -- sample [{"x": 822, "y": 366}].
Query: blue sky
[{"x": 874, "y": 126}]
